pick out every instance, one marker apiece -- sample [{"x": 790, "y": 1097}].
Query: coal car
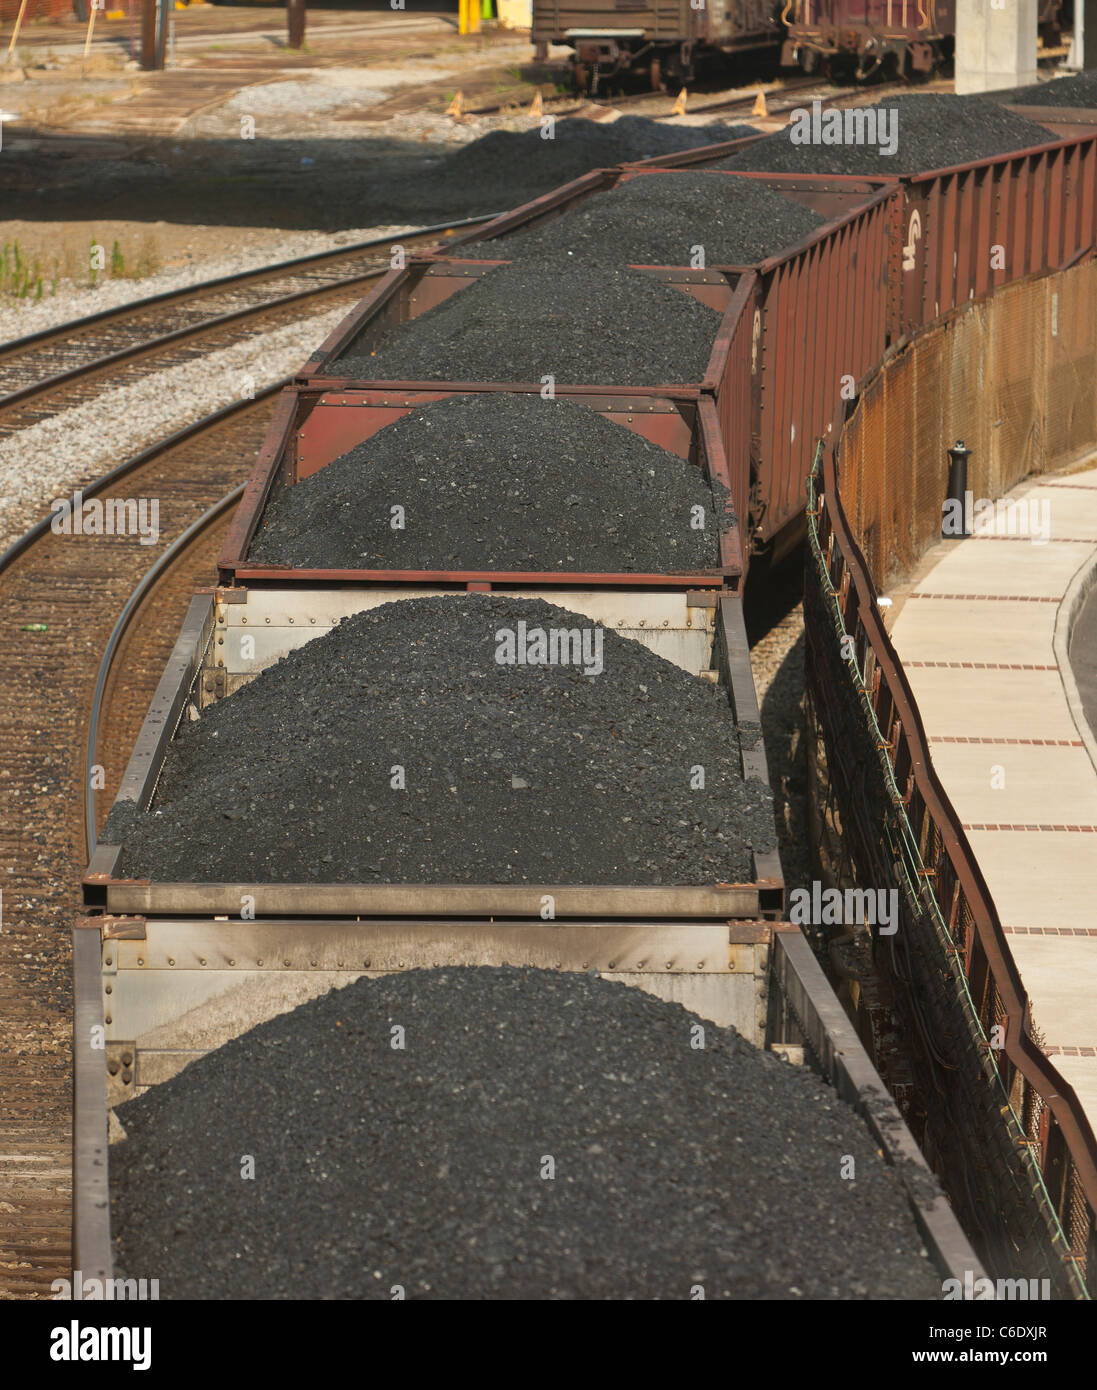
[
  {"x": 861, "y": 39},
  {"x": 662, "y": 40}
]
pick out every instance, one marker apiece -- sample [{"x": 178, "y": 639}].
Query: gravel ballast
[
  {"x": 426, "y": 1169},
  {"x": 499, "y": 482},
  {"x": 580, "y": 324},
  {"x": 25, "y": 316},
  {"x": 62, "y": 452},
  {"x": 659, "y": 219},
  {"x": 512, "y": 773},
  {"x": 934, "y": 132}
]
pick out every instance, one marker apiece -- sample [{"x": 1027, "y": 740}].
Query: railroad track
[
  {"x": 61, "y": 597},
  {"x": 590, "y": 106},
  {"x": 64, "y": 366},
  {"x": 779, "y": 100}
]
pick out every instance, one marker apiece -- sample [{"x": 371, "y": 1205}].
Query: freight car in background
[
  {"x": 862, "y": 39},
  {"x": 662, "y": 39}
]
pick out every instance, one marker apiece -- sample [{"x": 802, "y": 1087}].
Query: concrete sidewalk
[{"x": 978, "y": 635}]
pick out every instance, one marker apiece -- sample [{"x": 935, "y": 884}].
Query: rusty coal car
[
  {"x": 665, "y": 40},
  {"x": 864, "y": 39},
  {"x": 856, "y": 40}
]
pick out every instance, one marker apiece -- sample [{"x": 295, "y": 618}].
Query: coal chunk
[
  {"x": 595, "y": 326},
  {"x": 539, "y": 1135},
  {"x": 934, "y": 132},
  {"x": 661, "y": 219},
  {"x": 499, "y": 481},
  {"x": 402, "y": 747}
]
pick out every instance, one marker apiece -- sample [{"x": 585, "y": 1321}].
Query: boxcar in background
[
  {"x": 858, "y": 38},
  {"x": 663, "y": 39}
]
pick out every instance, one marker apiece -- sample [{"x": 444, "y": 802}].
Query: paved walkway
[{"x": 983, "y": 635}]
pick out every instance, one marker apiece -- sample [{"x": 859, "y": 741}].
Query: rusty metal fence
[
  {"x": 1014, "y": 376},
  {"x": 1004, "y": 1131}
]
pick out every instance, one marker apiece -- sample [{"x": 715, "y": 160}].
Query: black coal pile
[
  {"x": 404, "y": 747},
  {"x": 504, "y": 169},
  {"x": 590, "y": 326},
  {"x": 1079, "y": 90},
  {"x": 539, "y": 1135},
  {"x": 925, "y": 132},
  {"x": 660, "y": 219},
  {"x": 521, "y": 158},
  {"x": 499, "y": 482}
]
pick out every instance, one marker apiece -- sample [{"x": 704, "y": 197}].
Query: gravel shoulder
[
  {"x": 73, "y": 300},
  {"x": 63, "y": 452}
]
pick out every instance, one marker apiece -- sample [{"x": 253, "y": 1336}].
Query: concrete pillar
[
  {"x": 995, "y": 44},
  {"x": 1083, "y": 54}
]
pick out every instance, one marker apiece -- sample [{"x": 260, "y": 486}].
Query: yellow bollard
[
  {"x": 679, "y": 107},
  {"x": 536, "y": 106},
  {"x": 759, "y": 107}
]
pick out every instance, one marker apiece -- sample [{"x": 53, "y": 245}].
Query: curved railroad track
[
  {"x": 64, "y": 366},
  {"x": 60, "y": 602}
]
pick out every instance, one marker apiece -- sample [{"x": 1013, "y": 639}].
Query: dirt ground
[{"x": 162, "y": 168}]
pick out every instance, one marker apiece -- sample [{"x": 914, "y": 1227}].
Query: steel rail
[
  {"x": 130, "y": 465},
  {"x": 314, "y": 258},
  {"x": 190, "y": 330},
  {"x": 99, "y": 485},
  {"x": 152, "y": 576}
]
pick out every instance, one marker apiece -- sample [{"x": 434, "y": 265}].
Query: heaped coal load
[
  {"x": 597, "y": 326},
  {"x": 899, "y": 135},
  {"x": 1079, "y": 90},
  {"x": 504, "y": 169},
  {"x": 553, "y": 152},
  {"x": 499, "y": 482},
  {"x": 464, "y": 739},
  {"x": 679, "y": 219},
  {"x": 537, "y": 1135}
]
